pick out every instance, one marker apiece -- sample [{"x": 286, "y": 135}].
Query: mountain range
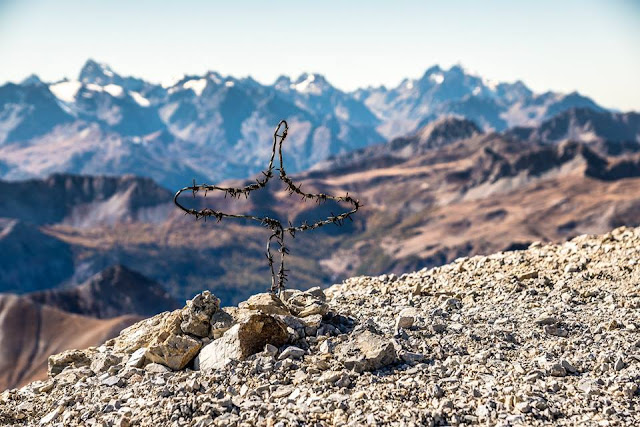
[
  {"x": 213, "y": 127},
  {"x": 449, "y": 189}
]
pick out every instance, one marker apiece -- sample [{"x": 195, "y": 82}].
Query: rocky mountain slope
[
  {"x": 115, "y": 291},
  {"x": 37, "y": 324},
  {"x": 31, "y": 332},
  {"x": 449, "y": 190},
  {"x": 212, "y": 127},
  {"x": 547, "y": 335}
]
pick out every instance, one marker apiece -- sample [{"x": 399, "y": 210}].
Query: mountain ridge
[{"x": 213, "y": 127}]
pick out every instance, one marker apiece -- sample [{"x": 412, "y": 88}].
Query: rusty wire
[{"x": 278, "y": 279}]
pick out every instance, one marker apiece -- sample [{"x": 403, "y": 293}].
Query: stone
[
  {"x": 546, "y": 319},
  {"x": 557, "y": 370},
  {"x": 533, "y": 274},
  {"x": 69, "y": 358},
  {"x": 221, "y": 321},
  {"x": 411, "y": 357},
  {"x": 556, "y": 330},
  {"x": 304, "y": 304},
  {"x": 331, "y": 377},
  {"x": 103, "y": 361},
  {"x": 51, "y": 416},
  {"x": 291, "y": 352},
  {"x": 406, "y": 318},
  {"x": 112, "y": 380},
  {"x": 174, "y": 351},
  {"x": 366, "y": 351},
  {"x": 266, "y": 303},
  {"x": 137, "y": 359},
  {"x": 568, "y": 366},
  {"x": 270, "y": 350},
  {"x": 141, "y": 334},
  {"x": 326, "y": 346},
  {"x": 241, "y": 341},
  {"x": 196, "y": 316},
  {"x": 156, "y": 368}
]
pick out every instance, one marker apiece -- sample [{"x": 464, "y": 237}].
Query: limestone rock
[
  {"x": 137, "y": 359},
  {"x": 266, "y": 303},
  {"x": 366, "y": 351},
  {"x": 221, "y": 321},
  {"x": 103, "y": 361},
  {"x": 196, "y": 316},
  {"x": 305, "y": 304},
  {"x": 291, "y": 352},
  {"x": 68, "y": 358},
  {"x": 174, "y": 351},
  {"x": 142, "y": 333},
  {"x": 406, "y": 318},
  {"x": 242, "y": 340}
]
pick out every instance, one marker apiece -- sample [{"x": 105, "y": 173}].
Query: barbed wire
[{"x": 279, "y": 278}]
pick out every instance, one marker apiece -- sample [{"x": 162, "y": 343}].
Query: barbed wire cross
[{"x": 278, "y": 231}]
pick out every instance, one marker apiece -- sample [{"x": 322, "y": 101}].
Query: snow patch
[
  {"x": 437, "y": 78},
  {"x": 308, "y": 86},
  {"x": 140, "y": 100},
  {"x": 66, "y": 91},
  {"x": 491, "y": 84},
  {"x": 114, "y": 90},
  {"x": 197, "y": 86},
  {"x": 94, "y": 87},
  {"x": 476, "y": 91},
  {"x": 229, "y": 84}
]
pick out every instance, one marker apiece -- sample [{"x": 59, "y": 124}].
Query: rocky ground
[{"x": 548, "y": 335}]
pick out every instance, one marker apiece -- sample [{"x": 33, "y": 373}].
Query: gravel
[{"x": 548, "y": 335}]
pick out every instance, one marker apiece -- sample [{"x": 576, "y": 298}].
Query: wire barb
[{"x": 278, "y": 279}]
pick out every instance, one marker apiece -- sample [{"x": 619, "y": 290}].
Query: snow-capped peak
[
  {"x": 196, "y": 85},
  {"x": 65, "y": 90},
  {"x": 314, "y": 84},
  {"x": 98, "y": 73}
]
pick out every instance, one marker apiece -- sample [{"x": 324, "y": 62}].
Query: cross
[{"x": 277, "y": 229}]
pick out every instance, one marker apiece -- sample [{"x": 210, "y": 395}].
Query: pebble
[{"x": 291, "y": 352}]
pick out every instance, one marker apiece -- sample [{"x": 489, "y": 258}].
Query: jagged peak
[
  {"x": 448, "y": 127},
  {"x": 312, "y": 83},
  {"x": 97, "y": 73},
  {"x": 33, "y": 79}
]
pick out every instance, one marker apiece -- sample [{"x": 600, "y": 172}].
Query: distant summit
[{"x": 113, "y": 292}]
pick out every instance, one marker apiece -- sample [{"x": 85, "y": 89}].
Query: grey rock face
[
  {"x": 196, "y": 316},
  {"x": 242, "y": 340},
  {"x": 69, "y": 358},
  {"x": 304, "y": 304}
]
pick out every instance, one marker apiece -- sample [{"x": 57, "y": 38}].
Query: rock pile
[{"x": 549, "y": 335}]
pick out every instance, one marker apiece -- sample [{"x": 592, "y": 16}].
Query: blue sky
[{"x": 591, "y": 46}]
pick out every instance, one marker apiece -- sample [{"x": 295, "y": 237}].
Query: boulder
[
  {"x": 196, "y": 316},
  {"x": 142, "y": 333},
  {"x": 174, "y": 351},
  {"x": 366, "y": 351},
  {"x": 242, "y": 340},
  {"x": 69, "y": 358},
  {"x": 266, "y": 303},
  {"x": 103, "y": 361},
  {"x": 303, "y": 304}
]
